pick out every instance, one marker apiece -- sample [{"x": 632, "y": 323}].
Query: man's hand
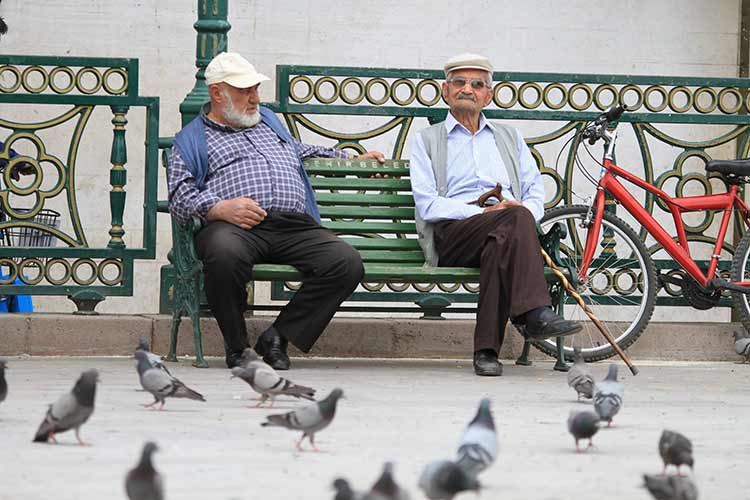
[
  {"x": 243, "y": 212},
  {"x": 502, "y": 205},
  {"x": 374, "y": 155}
]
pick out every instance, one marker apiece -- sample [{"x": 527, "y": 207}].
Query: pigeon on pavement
[
  {"x": 478, "y": 447},
  {"x": 742, "y": 345},
  {"x": 3, "y": 382},
  {"x": 579, "y": 376},
  {"x": 675, "y": 449},
  {"x": 583, "y": 425},
  {"x": 155, "y": 360},
  {"x": 670, "y": 487},
  {"x": 608, "y": 395},
  {"x": 71, "y": 410},
  {"x": 443, "y": 479},
  {"x": 386, "y": 487},
  {"x": 161, "y": 384},
  {"x": 269, "y": 384},
  {"x": 344, "y": 490},
  {"x": 143, "y": 482},
  {"x": 308, "y": 419}
]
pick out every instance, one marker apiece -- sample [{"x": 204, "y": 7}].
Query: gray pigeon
[
  {"x": 443, "y": 479},
  {"x": 478, "y": 447},
  {"x": 71, "y": 410},
  {"x": 608, "y": 395},
  {"x": 675, "y": 449},
  {"x": 579, "y": 376},
  {"x": 386, "y": 487},
  {"x": 161, "y": 384},
  {"x": 3, "y": 382},
  {"x": 583, "y": 425},
  {"x": 250, "y": 359},
  {"x": 269, "y": 384},
  {"x": 143, "y": 482},
  {"x": 742, "y": 345},
  {"x": 670, "y": 487},
  {"x": 308, "y": 419},
  {"x": 155, "y": 360},
  {"x": 344, "y": 490}
]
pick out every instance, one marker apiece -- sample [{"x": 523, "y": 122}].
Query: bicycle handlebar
[{"x": 596, "y": 130}]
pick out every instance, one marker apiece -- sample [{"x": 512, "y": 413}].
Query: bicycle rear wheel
[
  {"x": 741, "y": 272},
  {"x": 620, "y": 288}
]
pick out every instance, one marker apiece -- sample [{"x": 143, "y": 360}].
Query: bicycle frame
[{"x": 678, "y": 250}]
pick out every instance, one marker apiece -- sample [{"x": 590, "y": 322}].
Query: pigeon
[
  {"x": 675, "y": 449},
  {"x": 742, "y": 345},
  {"x": 344, "y": 490},
  {"x": 161, "y": 384},
  {"x": 71, "y": 410},
  {"x": 308, "y": 419},
  {"x": 386, "y": 487},
  {"x": 478, "y": 447},
  {"x": 250, "y": 358},
  {"x": 608, "y": 396},
  {"x": 3, "y": 382},
  {"x": 583, "y": 425},
  {"x": 269, "y": 384},
  {"x": 143, "y": 482},
  {"x": 155, "y": 360},
  {"x": 443, "y": 479},
  {"x": 579, "y": 376},
  {"x": 670, "y": 487}
]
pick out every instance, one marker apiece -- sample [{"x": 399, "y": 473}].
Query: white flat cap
[
  {"x": 467, "y": 61},
  {"x": 232, "y": 68}
]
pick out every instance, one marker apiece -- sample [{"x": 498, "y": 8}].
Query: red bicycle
[{"x": 609, "y": 262}]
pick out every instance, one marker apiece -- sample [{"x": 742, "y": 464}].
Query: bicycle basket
[{"x": 30, "y": 236}]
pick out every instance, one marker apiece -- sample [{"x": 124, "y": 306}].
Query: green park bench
[{"x": 375, "y": 215}]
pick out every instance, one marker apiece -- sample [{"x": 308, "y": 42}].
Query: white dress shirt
[{"x": 474, "y": 167}]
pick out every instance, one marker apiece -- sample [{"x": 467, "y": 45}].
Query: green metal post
[
  {"x": 212, "y": 27},
  {"x": 118, "y": 177}
]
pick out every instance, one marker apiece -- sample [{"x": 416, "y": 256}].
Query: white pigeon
[
  {"x": 160, "y": 384},
  {"x": 269, "y": 384}
]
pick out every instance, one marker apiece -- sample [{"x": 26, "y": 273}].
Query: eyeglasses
[{"x": 476, "y": 83}]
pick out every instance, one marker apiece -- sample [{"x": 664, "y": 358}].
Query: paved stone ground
[{"x": 409, "y": 411}]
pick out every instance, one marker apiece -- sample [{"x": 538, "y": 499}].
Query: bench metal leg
[
  {"x": 173, "y": 332},
  {"x": 199, "y": 362},
  {"x": 523, "y": 359},
  {"x": 561, "y": 365}
]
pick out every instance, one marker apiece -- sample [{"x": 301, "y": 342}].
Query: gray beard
[{"x": 238, "y": 119}]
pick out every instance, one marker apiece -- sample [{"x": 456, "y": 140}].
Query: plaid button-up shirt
[{"x": 251, "y": 162}]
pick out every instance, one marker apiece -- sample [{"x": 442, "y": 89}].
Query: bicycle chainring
[{"x": 699, "y": 297}]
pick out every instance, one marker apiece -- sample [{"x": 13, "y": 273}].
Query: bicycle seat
[{"x": 738, "y": 168}]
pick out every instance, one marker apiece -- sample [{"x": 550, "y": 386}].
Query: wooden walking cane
[{"x": 497, "y": 192}]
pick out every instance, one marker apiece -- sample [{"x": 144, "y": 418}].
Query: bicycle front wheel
[
  {"x": 620, "y": 287},
  {"x": 741, "y": 272}
]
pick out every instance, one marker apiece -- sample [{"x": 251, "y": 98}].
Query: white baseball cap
[{"x": 232, "y": 68}]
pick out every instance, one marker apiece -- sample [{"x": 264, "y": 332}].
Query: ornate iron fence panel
[
  {"x": 74, "y": 88},
  {"x": 676, "y": 125}
]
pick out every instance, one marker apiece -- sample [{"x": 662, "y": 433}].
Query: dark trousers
[
  {"x": 505, "y": 246},
  {"x": 331, "y": 271}
]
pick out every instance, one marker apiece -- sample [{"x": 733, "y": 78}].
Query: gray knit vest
[{"x": 435, "y": 139}]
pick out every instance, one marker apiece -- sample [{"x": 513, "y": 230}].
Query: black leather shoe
[
  {"x": 543, "y": 323},
  {"x": 486, "y": 363},
  {"x": 272, "y": 347},
  {"x": 234, "y": 359}
]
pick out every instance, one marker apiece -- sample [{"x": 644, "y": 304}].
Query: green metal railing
[
  {"x": 73, "y": 87},
  {"x": 660, "y": 109}
]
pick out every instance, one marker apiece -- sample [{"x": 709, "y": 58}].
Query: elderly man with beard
[
  {"x": 452, "y": 164},
  {"x": 239, "y": 170}
]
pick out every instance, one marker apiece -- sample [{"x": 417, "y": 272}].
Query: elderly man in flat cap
[
  {"x": 237, "y": 168},
  {"x": 452, "y": 164}
]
